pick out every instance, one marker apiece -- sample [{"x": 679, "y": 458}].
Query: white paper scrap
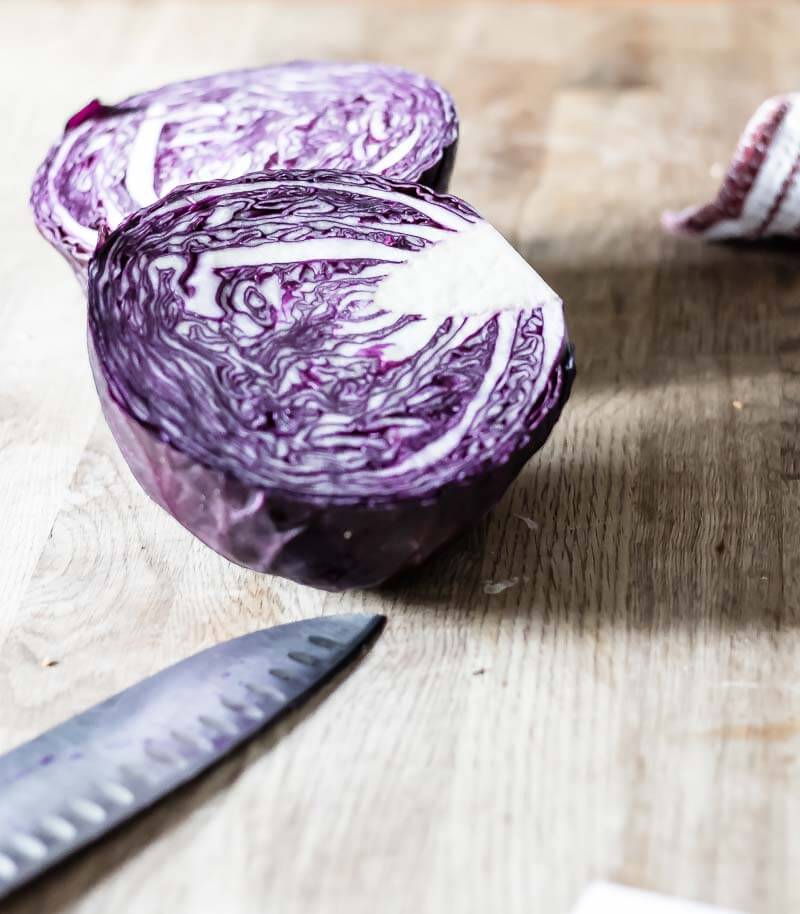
[{"x": 607, "y": 898}]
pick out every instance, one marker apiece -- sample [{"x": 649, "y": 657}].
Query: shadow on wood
[
  {"x": 654, "y": 504},
  {"x": 632, "y": 547},
  {"x": 678, "y": 311}
]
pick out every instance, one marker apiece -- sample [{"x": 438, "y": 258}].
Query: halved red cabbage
[
  {"x": 323, "y": 375},
  {"x": 760, "y": 195},
  {"x": 113, "y": 160}
]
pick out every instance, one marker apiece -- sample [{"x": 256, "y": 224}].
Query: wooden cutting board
[{"x": 628, "y": 706}]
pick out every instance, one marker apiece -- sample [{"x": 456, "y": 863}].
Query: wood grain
[{"x": 628, "y": 706}]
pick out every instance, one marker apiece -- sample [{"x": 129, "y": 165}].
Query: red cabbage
[
  {"x": 760, "y": 194},
  {"x": 323, "y": 375},
  {"x": 112, "y": 160}
]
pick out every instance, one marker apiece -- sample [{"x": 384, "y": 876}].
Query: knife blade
[{"x": 75, "y": 782}]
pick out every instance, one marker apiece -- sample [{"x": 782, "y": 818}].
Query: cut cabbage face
[{"x": 323, "y": 375}]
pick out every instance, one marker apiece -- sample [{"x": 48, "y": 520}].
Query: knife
[{"x": 71, "y": 785}]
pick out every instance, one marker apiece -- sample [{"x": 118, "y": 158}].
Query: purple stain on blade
[
  {"x": 254, "y": 408},
  {"x": 114, "y": 159},
  {"x": 17, "y": 776},
  {"x": 47, "y": 760}
]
